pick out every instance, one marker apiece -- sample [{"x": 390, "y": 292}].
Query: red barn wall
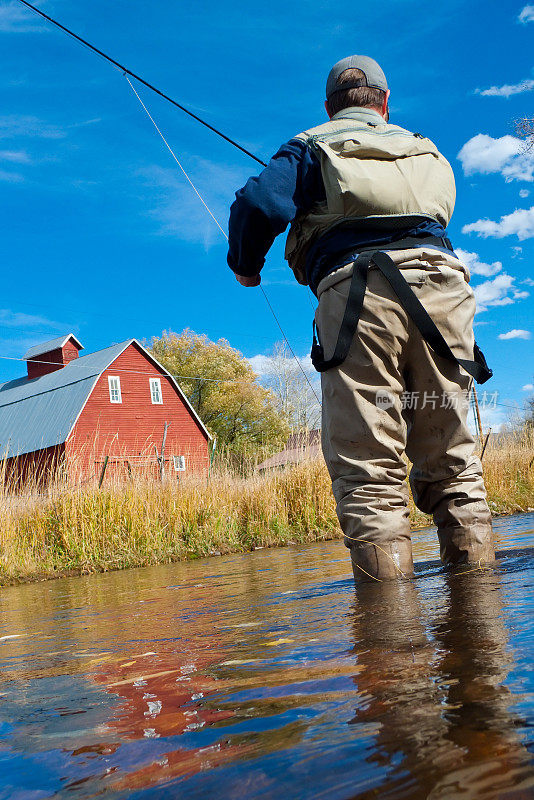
[
  {"x": 129, "y": 432},
  {"x": 35, "y": 470}
]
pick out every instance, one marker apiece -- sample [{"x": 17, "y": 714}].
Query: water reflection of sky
[{"x": 266, "y": 675}]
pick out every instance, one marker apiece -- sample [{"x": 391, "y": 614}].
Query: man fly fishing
[{"x": 368, "y": 204}]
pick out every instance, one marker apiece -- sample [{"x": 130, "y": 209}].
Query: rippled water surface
[{"x": 266, "y": 675}]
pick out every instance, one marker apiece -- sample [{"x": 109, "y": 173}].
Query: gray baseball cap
[{"x": 374, "y": 76}]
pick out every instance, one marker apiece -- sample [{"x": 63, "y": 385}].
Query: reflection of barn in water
[{"x": 134, "y": 680}]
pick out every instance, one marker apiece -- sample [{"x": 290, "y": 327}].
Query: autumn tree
[
  {"x": 525, "y": 129},
  {"x": 295, "y": 387},
  {"x": 222, "y": 387}
]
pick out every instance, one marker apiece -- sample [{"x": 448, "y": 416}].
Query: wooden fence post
[
  {"x": 477, "y": 409},
  {"x": 212, "y": 455},
  {"x": 162, "y": 456},
  {"x": 103, "y": 472},
  {"x": 485, "y": 443}
]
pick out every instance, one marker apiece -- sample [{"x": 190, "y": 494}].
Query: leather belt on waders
[{"x": 478, "y": 368}]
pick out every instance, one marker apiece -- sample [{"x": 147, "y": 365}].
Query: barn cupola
[{"x": 52, "y": 355}]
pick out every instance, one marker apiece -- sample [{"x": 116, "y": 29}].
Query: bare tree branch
[{"x": 524, "y": 128}]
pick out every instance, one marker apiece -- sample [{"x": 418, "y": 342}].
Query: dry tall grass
[{"x": 139, "y": 522}]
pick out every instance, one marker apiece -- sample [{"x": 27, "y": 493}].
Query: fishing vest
[{"x": 371, "y": 170}]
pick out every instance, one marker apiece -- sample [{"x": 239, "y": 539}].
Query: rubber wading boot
[
  {"x": 382, "y": 562},
  {"x": 467, "y": 546}
]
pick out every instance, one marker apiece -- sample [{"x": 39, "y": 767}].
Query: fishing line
[
  {"x": 173, "y": 154},
  {"x": 216, "y": 221},
  {"x": 150, "y": 86}
]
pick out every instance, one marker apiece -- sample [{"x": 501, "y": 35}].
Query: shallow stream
[{"x": 265, "y": 675}]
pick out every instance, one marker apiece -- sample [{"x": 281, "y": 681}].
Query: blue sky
[{"x": 103, "y": 236}]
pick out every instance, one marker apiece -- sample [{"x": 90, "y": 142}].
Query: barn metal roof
[
  {"x": 52, "y": 344},
  {"x": 41, "y": 412}
]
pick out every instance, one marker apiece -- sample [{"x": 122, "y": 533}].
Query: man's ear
[
  {"x": 327, "y": 109},
  {"x": 385, "y": 110}
]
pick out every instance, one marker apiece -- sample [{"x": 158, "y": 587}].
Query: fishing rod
[
  {"x": 141, "y": 80},
  {"x": 127, "y": 72}
]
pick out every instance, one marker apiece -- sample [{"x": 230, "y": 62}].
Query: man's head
[{"x": 357, "y": 81}]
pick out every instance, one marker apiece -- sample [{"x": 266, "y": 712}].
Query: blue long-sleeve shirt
[
  {"x": 291, "y": 184},
  {"x": 264, "y": 207}
]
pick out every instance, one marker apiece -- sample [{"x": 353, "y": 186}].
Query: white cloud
[
  {"x": 14, "y": 18},
  {"x": 515, "y": 333},
  {"x": 495, "y": 292},
  {"x": 524, "y": 193},
  {"x": 476, "y": 266},
  {"x": 263, "y": 365},
  {"x": 521, "y": 295},
  {"x": 508, "y": 89},
  {"x": 528, "y": 281},
  {"x": 528, "y": 387},
  {"x": 526, "y": 15},
  {"x": 519, "y": 223},
  {"x": 506, "y": 155}
]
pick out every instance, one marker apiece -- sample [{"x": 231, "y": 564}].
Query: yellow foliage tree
[{"x": 223, "y": 389}]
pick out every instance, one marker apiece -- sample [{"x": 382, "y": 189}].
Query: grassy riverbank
[{"x": 74, "y": 531}]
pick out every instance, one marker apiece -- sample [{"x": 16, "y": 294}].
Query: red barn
[{"x": 110, "y": 406}]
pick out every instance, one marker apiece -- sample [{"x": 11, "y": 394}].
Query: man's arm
[{"x": 265, "y": 206}]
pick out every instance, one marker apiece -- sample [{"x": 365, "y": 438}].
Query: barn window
[
  {"x": 155, "y": 391},
  {"x": 179, "y": 463},
  {"x": 114, "y": 383}
]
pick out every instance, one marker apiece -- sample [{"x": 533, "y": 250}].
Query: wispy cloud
[
  {"x": 19, "y": 331},
  {"x": 506, "y": 155},
  {"x": 515, "y": 333},
  {"x": 12, "y": 157},
  {"x": 18, "y": 319},
  {"x": 528, "y": 387},
  {"x": 10, "y": 177},
  {"x": 177, "y": 209},
  {"x": 14, "y": 18},
  {"x": 519, "y": 223},
  {"x": 14, "y": 126},
  {"x": 526, "y": 15},
  {"x": 15, "y": 156},
  {"x": 476, "y": 266},
  {"x": 524, "y": 193},
  {"x": 508, "y": 90}
]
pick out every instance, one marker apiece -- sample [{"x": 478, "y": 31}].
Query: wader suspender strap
[
  {"x": 353, "y": 309},
  {"x": 478, "y": 369}
]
